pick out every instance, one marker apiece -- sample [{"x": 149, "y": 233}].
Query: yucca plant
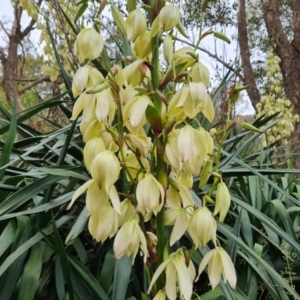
[{"x": 164, "y": 198}]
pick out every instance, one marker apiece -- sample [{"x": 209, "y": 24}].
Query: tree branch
[
  {"x": 4, "y": 29},
  {"x": 31, "y": 85},
  {"x": 214, "y": 56},
  {"x": 3, "y": 57},
  {"x": 296, "y": 22},
  {"x": 32, "y": 22},
  {"x": 249, "y": 78},
  {"x": 275, "y": 31}
]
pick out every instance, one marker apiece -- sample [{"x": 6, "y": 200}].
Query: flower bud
[
  {"x": 205, "y": 173},
  {"x": 118, "y": 19},
  {"x": 223, "y": 201},
  {"x": 168, "y": 49},
  {"x": 136, "y": 25}
]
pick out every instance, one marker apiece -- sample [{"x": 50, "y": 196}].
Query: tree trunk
[
  {"x": 10, "y": 59},
  {"x": 289, "y": 53},
  {"x": 249, "y": 78}
]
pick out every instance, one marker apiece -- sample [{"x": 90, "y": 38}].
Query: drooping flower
[
  {"x": 88, "y": 44},
  {"x": 85, "y": 77},
  {"x": 202, "y": 227},
  {"x": 105, "y": 170},
  {"x": 136, "y": 24},
  {"x": 134, "y": 111},
  {"x": 219, "y": 263},
  {"x": 150, "y": 195},
  {"x": 91, "y": 149},
  {"x": 104, "y": 224},
  {"x": 178, "y": 217},
  {"x": 223, "y": 201},
  {"x": 129, "y": 239},
  {"x": 200, "y": 73},
  {"x": 166, "y": 20},
  {"x": 127, "y": 211},
  {"x": 176, "y": 272}
]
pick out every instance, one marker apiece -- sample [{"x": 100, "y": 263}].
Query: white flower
[
  {"x": 129, "y": 240},
  {"x": 150, "y": 195}
]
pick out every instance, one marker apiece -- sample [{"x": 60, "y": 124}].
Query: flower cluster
[
  {"x": 275, "y": 101},
  {"x": 141, "y": 122}
]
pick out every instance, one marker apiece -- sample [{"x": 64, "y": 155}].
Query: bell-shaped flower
[
  {"x": 104, "y": 224},
  {"x": 200, "y": 73},
  {"x": 175, "y": 113},
  {"x": 138, "y": 142},
  {"x": 135, "y": 109},
  {"x": 219, "y": 263},
  {"x": 136, "y": 24},
  {"x": 90, "y": 128},
  {"x": 129, "y": 240},
  {"x": 150, "y": 195},
  {"x": 127, "y": 211},
  {"x": 134, "y": 165},
  {"x": 196, "y": 99},
  {"x": 178, "y": 217},
  {"x": 199, "y": 153},
  {"x": 134, "y": 73},
  {"x": 183, "y": 58},
  {"x": 127, "y": 93},
  {"x": 176, "y": 272},
  {"x": 105, "y": 170},
  {"x": 166, "y": 20},
  {"x": 171, "y": 154},
  {"x": 185, "y": 142},
  {"x": 223, "y": 201},
  {"x": 202, "y": 227},
  {"x": 88, "y": 44},
  {"x": 91, "y": 149},
  {"x": 85, "y": 77},
  {"x": 142, "y": 46},
  {"x": 109, "y": 141}
]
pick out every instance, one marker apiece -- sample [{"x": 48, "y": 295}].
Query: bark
[
  {"x": 10, "y": 58},
  {"x": 249, "y": 78},
  {"x": 289, "y": 54}
]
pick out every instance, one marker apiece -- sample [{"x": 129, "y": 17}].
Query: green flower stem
[
  {"x": 161, "y": 241},
  {"x": 155, "y": 73},
  {"x": 220, "y": 147}
]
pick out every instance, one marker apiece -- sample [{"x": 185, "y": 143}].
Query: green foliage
[{"x": 46, "y": 250}]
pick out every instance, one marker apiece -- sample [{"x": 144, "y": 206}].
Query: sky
[{"x": 226, "y": 51}]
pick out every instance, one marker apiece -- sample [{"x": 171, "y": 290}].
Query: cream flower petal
[
  {"x": 184, "y": 278},
  {"x": 80, "y": 191},
  {"x": 170, "y": 287}
]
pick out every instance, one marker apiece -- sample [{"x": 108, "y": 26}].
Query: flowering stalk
[{"x": 137, "y": 123}]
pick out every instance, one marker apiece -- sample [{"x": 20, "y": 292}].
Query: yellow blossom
[
  {"x": 129, "y": 240},
  {"x": 219, "y": 263},
  {"x": 202, "y": 227},
  {"x": 150, "y": 195},
  {"x": 88, "y": 45},
  {"x": 176, "y": 271}
]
